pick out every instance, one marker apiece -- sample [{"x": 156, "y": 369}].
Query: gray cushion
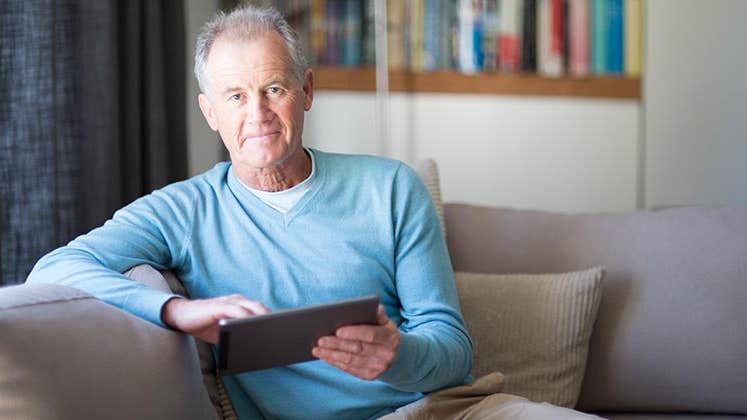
[
  {"x": 670, "y": 335},
  {"x": 67, "y": 355}
]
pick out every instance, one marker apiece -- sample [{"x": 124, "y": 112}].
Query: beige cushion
[
  {"x": 533, "y": 328},
  {"x": 427, "y": 170},
  {"x": 67, "y": 355}
]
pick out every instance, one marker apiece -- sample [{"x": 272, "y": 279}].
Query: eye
[
  {"x": 235, "y": 97},
  {"x": 275, "y": 90}
]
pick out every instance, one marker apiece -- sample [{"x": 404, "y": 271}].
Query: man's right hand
[{"x": 200, "y": 317}]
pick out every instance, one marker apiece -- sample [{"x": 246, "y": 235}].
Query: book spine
[
  {"x": 615, "y": 48},
  {"x": 599, "y": 36},
  {"x": 553, "y": 65},
  {"x": 491, "y": 26},
  {"x": 332, "y": 52},
  {"x": 416, "y": 35},
  {"x": 510, "y": 41},
  {"x": 467, "y": 57},
  {"x": 478, "y": 31},
  {"x": 431, "y": 26},
  {"x": 529, "y": 36},
  {"x": 633, "y": 27},
  {"x": 352, "y": 40},
  {"x": 565, "y": 47},
  {"x": 395, "y": 35},
  {"x": 318, "y": 31},
  {"x": 579, "y": 37},
  {"x": 543, "y": 35},
  {"x": 368, "y": 26},
  {"x": 448, "y": 24}
]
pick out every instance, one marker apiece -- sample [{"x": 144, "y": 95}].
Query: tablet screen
[{"x": 285, "y": 337}]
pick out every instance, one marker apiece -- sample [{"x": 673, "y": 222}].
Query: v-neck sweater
[{"x": 367, "y": 227}]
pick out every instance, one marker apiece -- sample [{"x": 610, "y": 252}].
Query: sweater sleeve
[
  {"x": 435, "y": 349},
  {"x": 152, "y": 230}
]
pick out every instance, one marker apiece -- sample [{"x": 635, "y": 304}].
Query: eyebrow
[
  {"x": 278, "y": 80},
  {"x": 230, "y": 89}
]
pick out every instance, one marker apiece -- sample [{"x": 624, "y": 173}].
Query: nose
[{"x": 258, "y": 110}]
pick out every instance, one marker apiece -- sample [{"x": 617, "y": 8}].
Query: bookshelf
[
  {"x": 576, "y": 48},
  {"x": 364, "y": 79}
]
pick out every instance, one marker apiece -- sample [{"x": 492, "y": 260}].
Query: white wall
[
  {"x": 696, "y": 103},
  {"x": 541, "y": 153}
]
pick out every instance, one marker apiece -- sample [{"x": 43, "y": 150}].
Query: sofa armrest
[{"x": 66, "y": 355}]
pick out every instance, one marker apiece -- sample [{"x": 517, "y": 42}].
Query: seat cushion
[{"x": 67, "y": 355}]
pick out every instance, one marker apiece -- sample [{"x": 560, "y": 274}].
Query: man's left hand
[{"x": 364, "y": 351}]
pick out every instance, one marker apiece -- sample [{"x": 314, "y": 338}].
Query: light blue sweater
[{"x": 367, "y": 226}]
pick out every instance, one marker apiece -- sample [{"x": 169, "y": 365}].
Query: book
[
  {"x": 468, "y": 59},
  {"x": 431, "y": 56},
  {"x": 510, "y": 35},
  {"x": 578, "y": 33},
  {"x": 633, "y": 27},
  {"x": 352, "y": 35},
  {"x": 598, "y": 36},
  {"x": 529, "y": 36},
  {"x": 318, "y": 30},
  {"x": 449, "y": 34},
  {"x": 369, "y": 33},
  {"x": 490, "y": 34},
  {"x": 395, "y": 34},
  {"x": 615, "y": 51},
  {"x": 416, "y": 35},
  {"x": 335, "y": 12},
  {"x": 553, "y": 65}
]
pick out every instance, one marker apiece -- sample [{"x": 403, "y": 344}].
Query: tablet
[{"x": 285, "y": 337}]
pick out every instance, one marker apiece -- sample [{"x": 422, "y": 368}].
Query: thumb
[{"x": 382, "y": 319}]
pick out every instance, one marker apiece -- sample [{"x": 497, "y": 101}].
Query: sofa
[{"x": 661, "y": 324}]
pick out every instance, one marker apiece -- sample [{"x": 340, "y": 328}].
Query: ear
[
  {"x": 308, "y": 89},
  {"x": 207, "y": 111}
]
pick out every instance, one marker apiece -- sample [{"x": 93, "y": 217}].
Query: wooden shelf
[{"x": 364, "y": 79}]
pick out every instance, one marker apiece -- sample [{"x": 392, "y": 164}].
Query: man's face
[{"x": 254, "y": 100}]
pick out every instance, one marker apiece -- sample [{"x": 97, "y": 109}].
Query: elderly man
[{"x": 283, "y": 226}]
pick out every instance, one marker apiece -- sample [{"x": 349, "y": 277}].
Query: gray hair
[{"x": 246, "y": 23}]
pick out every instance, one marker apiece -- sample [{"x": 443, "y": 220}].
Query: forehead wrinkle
[{"x": 229, "y": 65}]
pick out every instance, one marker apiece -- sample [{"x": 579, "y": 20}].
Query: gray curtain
[{"x": 92, "y": 116}]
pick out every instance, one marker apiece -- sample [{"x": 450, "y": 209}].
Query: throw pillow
[{"x": 533, "y": 328}]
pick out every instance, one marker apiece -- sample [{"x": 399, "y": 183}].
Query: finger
[
  {"x": 255, "y": 307},
  {"x": 355, "y": 347},
  {"x": 231, "y": 310},
  {"x": 350, "y": 346},
  {"x": 381, "y": 315},
  {"x": 364, "y": 333},
  {"x": 344, "y": 358},
  {"x": 368, "y": 371}
]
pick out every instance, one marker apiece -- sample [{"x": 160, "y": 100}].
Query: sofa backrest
[{"x": 670, "y": 334}]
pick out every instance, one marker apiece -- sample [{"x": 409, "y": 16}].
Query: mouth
[{"x": 262, "y": 136}]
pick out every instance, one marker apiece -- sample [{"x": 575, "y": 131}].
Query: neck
[{"x": 280, "y": 177}]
